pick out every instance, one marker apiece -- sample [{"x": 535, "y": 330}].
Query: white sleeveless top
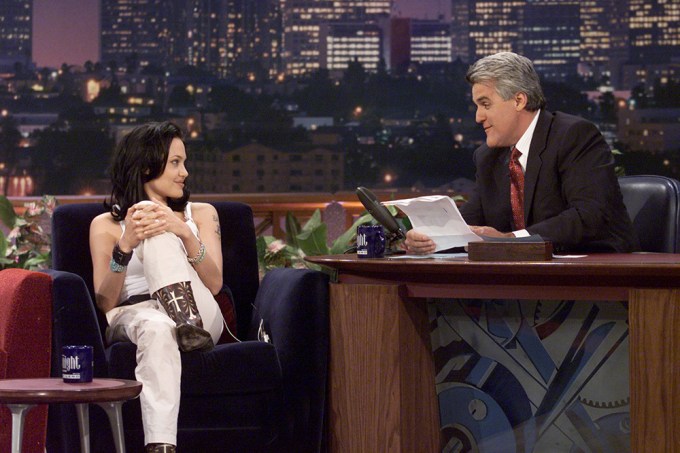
[{"x": 135, "y": 282}]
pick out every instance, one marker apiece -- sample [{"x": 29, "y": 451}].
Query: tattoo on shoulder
[{"x": 217, "y": 225}]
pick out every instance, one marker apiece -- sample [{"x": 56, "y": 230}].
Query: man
[{"x": 561, "y": 175}]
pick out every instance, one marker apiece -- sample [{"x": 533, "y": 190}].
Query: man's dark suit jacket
[{"x": 571, "y": 193}]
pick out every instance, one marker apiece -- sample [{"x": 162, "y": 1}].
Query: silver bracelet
[{"x": 200, "y": 256}]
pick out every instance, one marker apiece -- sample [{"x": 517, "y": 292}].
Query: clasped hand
[{"x": 147, "y": 219}]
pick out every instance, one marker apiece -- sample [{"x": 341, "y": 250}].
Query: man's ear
[{"x": 520, "y": 101}]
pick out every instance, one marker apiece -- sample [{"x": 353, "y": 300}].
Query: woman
[{"x": 157, "y": 264}]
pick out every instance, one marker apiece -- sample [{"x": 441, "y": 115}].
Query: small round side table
[{"x": 20, "y": 395}]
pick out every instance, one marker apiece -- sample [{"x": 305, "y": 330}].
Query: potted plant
[{"x": 24, "y": 241}]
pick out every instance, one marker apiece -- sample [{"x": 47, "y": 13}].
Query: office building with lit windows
[
  {"x": 253, "y": 41},
  {"x": 302, "y": 21},
  {"x": 654, "y": 31},
  {"x": 203, "y": 43},
  {"x": 494, "y": 26},
  {"x": 603, "y": 33},
  {"x": 653, "y": 43},
  {"x": 551, "y": 37},
  {"x": 460, "y": 31},
  {"x": 430, "y": 41},
  {"x": 139, "y": 33},
  {"x": 16, "y": 33},
  {"x": 341, "y": 43},
  {"x": 416, "y": 41}
]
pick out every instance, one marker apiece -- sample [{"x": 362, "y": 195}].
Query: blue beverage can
[
  {"x": 76, "y": 363},
  {"x": 370, "y": 241}
]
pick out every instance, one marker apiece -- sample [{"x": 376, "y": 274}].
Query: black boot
[{"x": 178, "y": 301}]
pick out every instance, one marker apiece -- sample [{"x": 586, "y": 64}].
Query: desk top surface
[
  {"x": 620, "y": 270},
  {"x": 55, "y": 390}
]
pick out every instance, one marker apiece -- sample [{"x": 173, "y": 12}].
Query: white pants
[{"x": 146, "y": 324}]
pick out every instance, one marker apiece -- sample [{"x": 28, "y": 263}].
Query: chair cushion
[{"x": 248, "y": 367}]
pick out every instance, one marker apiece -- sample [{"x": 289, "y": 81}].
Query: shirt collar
[{"x": 524, "y": 142}]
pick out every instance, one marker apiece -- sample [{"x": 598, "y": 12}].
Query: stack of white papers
[{"x": 438, "y": 217}]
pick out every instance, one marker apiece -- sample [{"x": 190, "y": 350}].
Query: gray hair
[{"x": 512, "y": 74}]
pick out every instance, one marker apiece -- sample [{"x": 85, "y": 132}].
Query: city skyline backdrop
[
  {"x": 67, "y": 31},
  {"x": 322, "y": 94}
]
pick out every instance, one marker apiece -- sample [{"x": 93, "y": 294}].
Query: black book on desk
[{"x": 530, "y": 248}]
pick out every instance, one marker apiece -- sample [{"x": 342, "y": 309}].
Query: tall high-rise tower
[
  {"x": 203, "y": 35},
  {"x": 139, "y": 33},
  {"x": 604, "y": 37},
  {"x": 654, "y": 31},
  {"x": 16, "y": 33},
  {"x": 254, "y": 38},
  {"x": 460, "y": 31},
  {"x": 494, "y": 26},
  {"x": 302, "y": 21},
  {"x": 550, "y": 37}
]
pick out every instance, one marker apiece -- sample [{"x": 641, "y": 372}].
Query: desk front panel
[{"x": 648, "y": 282}]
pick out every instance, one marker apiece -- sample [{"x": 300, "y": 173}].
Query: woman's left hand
[{"x": 153, "y": 218}]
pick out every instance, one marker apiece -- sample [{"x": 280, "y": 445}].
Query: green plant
[
  {"x": 309, "y": 240},
  {"x": 24, "y": 243}
]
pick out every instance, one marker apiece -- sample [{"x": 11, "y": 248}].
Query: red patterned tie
[{"x": 516, "y": 189}]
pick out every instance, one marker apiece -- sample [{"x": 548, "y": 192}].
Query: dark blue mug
[
  {"x": 370, "y": 241},
  {"x": 76, "y": 363}
]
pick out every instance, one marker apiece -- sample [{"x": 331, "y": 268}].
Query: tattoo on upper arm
[{"x": 217, "y": 225}]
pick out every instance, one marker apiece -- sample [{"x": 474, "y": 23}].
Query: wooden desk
[
  {"x": 21, "y": 395},
  {"x": 380, "y": 333}
]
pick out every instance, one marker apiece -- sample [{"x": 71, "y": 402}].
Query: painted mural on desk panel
[{"x": 531, "y": 376}]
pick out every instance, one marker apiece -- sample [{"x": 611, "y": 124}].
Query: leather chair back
[{"x": 653, "y": 204}]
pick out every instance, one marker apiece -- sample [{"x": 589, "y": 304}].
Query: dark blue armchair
[{"x": 241, "y": 397}]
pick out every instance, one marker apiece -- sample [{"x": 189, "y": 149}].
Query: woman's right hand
[{"x": 141, "y": 222}]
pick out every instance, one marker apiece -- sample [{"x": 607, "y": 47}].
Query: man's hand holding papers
[{"x": 437, "y": 217}]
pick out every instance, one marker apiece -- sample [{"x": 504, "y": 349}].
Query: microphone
[{"x": 379, "y": 212}]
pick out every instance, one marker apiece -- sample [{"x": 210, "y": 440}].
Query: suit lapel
[{"x": 534, "y": 161}]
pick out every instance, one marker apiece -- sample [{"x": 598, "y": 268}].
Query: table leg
[
  {"x": 83, "y": 410},
  {"x": 18, "y": 414},
  {"x": 113, "y": 410}
]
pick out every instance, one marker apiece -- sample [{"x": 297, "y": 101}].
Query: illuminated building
[
  {"x": 550, "y": 37},
  {"x": 654, "y": 31},
  {"x": 138, "y": 33},
  {"x": 653, "y": 43},
  {"x": 416, "y": 41},
  {"x": 494, "y": 26},
  {"x": 204, "y": 41},
  {"x": 460, "y": 31},
  {"x": 604, "y": 31},
  {"x": 16, "y": 33},
  {"x": 343, "y": 42},
  {"x": 302, "y": 21},
  {"x": 430, "y": 41},
  {"x": 254, "y": 38}
]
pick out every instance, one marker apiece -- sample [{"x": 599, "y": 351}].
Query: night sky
[{"x": 67, "y": 31}]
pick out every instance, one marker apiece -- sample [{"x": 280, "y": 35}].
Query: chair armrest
[
  {"x": 74, "y": 320},
  {"x": 293, "y": 304}
]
